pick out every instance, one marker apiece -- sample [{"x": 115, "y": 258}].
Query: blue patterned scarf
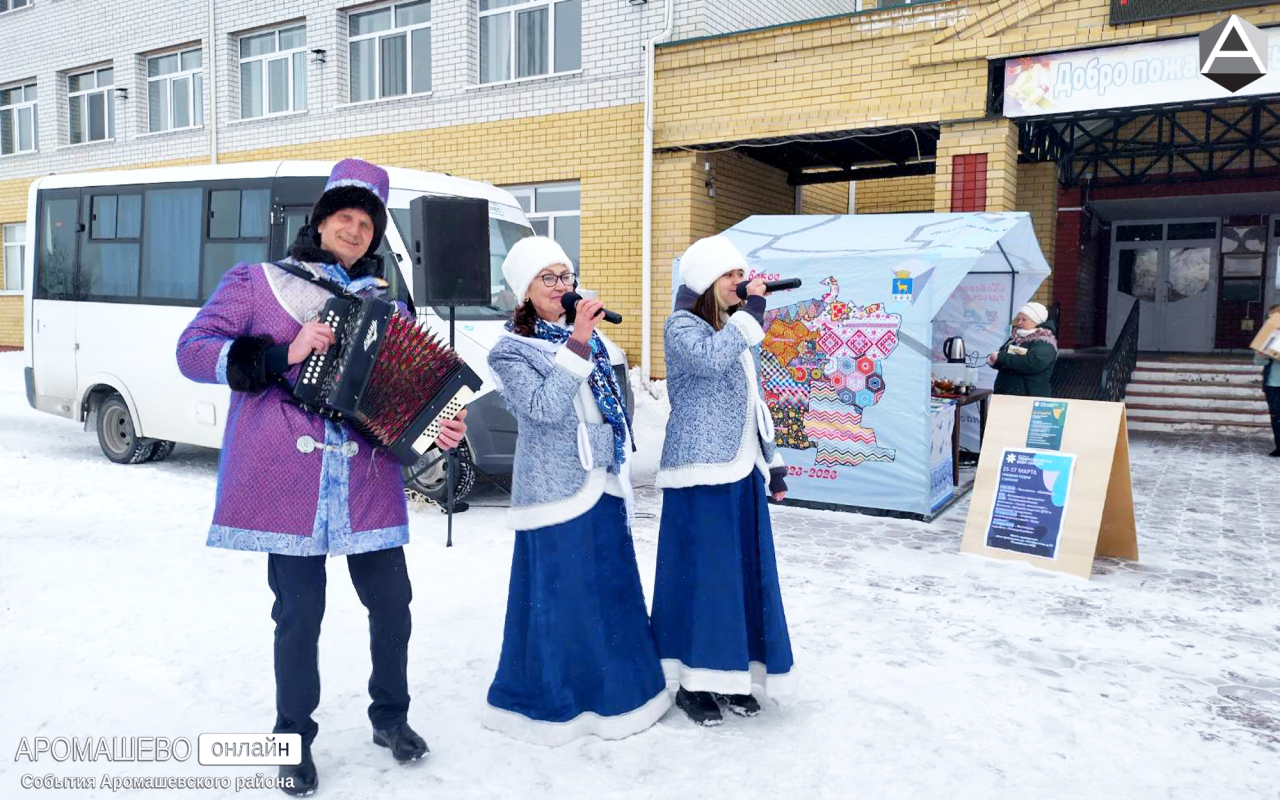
[{"x": 603, "y": 384}]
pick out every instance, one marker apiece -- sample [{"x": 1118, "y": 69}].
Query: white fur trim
[
  {"x": 588, "y": 723},
  {"x": 585, "y": 456},
  {"x": 528, "y": 518},
  {"x": 749, "y": 452},
  {"x": 756, "y": 676},
  {"x": 716, "y": 474},
  {"x": 573, "y": 363},
  {"x": 751, "y": 330},
  {"x": 527, "y": 258},
  {"x": 707, "y": 259}
]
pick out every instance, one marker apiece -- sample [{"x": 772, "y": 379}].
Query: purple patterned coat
[{"x": 342, "y": 497}]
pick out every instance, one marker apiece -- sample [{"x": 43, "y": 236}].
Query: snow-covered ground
[{"x": 925, "y": 673}]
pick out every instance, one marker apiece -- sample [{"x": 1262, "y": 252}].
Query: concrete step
[
  {"x": 1216, "y": 417},
  {"x": 1221, "y": 390},
  {"x": 1182, "y": 426},
  {"x": 1194, "y": 362},
  {"x": 1236, "y": 377},
  {"x": 1255, "y": 403}
]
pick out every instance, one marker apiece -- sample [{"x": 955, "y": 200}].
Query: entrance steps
[{"x": 1211, "y": 394}]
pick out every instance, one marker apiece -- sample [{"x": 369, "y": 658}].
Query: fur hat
[
  {"x": 527, "y": 258},
  {"x": 707, "y": 259},
  {"x": 354, "y": 184}
]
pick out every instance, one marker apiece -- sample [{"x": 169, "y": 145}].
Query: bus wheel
[
  {"x": 116, "y": 435},
  {"x": 432, "y": 484},
  {"x": 163, "y": 449}
]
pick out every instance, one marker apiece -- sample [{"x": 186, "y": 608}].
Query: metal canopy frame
[
  {"x": 1158, "y": 144},
  {"x": 839, "y": 156}
]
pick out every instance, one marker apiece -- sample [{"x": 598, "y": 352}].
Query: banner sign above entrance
[
  {"x": 1145, "y": 74},
  {"x": 1125, "y": 11}
]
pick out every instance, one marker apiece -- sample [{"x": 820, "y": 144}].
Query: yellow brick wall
[
  {"x": 834, "y": 74},
  {"x": 999, "y": 140},
  {"x": 13, "y": 208},
  {"x": 11, "y": 320},
  {"x": 745, "y": 186},
  {"x": 1038, "y": 195},
  {"x": 894, "y": 195},
  {"x": 682, "y": 213},
  {"x": 825, "y": 198}
]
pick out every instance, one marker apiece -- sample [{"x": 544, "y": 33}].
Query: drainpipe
[
  {"x": 646, "y": 249},
  {"x": 211, "y": 86}
]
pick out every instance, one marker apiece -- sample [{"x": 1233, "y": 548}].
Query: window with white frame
[
  {"x": 93, "y": 112},
  {"x": 175, "y": 91},
  {"x": 527, "y": 38},
  {"x": 554, "y": 209},
  {"x": 13, "y": 5},
  {"x": 15, "y": 247},
  {"x": 19, "y": 120},
  {"x": 273, "y": 72},
  {"x": 390, "y": 51}
]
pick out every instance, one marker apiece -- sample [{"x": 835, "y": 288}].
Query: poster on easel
[
  {"x": 1031, "y": 502},
  {"x": 1057, "y": 508}
]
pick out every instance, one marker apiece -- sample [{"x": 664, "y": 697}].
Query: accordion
[{"x": 394, "y": 381}]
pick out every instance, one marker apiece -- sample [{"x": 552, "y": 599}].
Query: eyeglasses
[{"x": 568, "y": 279}]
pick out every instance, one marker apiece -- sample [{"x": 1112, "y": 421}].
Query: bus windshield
[{"x": 502, "y": 235}]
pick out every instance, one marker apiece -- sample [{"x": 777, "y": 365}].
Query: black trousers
[
  {"x": 382, "y": 584},
  {"x": 1273, "y": 405}
]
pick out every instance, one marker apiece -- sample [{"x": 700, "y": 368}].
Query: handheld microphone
[
  {"x": 570, "y": 302},
  {"x": 771, "y": 286}
]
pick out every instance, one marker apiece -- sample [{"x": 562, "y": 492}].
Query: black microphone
[
  {"x": 771, "y": 286},
  {"x": 570, "y": 302}
]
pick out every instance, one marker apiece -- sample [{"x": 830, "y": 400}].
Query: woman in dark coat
[{"x": 1024, "y": 363}]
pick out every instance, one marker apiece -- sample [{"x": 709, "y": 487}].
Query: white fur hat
[
  {"x": 527, "y": 258},
  {"x": 707, "y": 259},
  {"x": 1036, "y": 312}
]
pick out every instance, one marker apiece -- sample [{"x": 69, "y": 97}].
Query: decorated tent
[{"x": 847, "y": 360}]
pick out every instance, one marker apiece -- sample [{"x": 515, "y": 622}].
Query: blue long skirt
[
  {"x": 578, "y": 655},
  {"x": 717, "y": 608}
]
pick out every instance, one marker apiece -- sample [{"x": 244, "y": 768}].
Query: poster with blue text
[{"x": 1031, "y": 502}]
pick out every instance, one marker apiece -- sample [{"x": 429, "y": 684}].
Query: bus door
[{"x": 53, "y": 307}]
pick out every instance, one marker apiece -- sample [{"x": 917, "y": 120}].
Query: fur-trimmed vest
[
  {"x": 563, "y": 449},
  {"x": 720, "y": 427}
]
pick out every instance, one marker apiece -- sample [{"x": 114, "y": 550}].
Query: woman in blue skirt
[
  {"x": 578, "y": 655},
  {"x": 717, "y": 608}
]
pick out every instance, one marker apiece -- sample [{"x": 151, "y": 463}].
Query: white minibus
[{"x": 118, "y": 262}]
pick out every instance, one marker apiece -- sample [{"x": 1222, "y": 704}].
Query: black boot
[
  {"x": 701, "y": 707},
  {"x": 404, "y": 744},
  {"x": 744, "y": 705},
  {"x": 303, "y": 774}
]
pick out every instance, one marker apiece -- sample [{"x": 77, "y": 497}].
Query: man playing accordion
[{"x": 301, "y": 487}]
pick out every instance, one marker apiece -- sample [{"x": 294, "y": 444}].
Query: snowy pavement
[{"x": 924, "y": 673}]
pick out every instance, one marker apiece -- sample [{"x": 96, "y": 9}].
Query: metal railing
[{"x": 1122, "y": 359}]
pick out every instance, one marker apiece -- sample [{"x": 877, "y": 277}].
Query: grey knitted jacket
[
  {"x": 561, "y": 457},
  {"x": 720, "y": 427}
]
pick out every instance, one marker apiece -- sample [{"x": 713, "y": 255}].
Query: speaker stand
[{"x": 450, "y": 455}]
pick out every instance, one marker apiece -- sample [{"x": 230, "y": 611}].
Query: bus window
[
  {"x": 56, "y": 248},
  {"x": 239, "y": 223},
  {"x": 110, "y": 247},
  {"x": 171, "y": 257}
]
